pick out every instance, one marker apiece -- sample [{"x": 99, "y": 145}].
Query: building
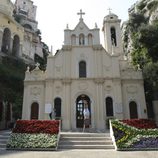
[
  {"x": 19, "y": 38},
  {"x": 84, "y": 70},
  {"x": 19, "y": 35}
]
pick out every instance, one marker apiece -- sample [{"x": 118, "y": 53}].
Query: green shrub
[{"x": 152, "y": 5}]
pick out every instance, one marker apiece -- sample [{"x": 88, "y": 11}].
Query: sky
[{"x": 54, "y": 15}]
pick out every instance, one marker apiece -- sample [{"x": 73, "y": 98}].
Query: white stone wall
[
  {"x": 27, "y": 5},
  {"x": 107, "y": 76}
]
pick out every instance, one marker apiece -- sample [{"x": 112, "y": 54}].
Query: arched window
[
  {"x": 81, "y": 39},
  {"x": 16, "y": 45},
  {"x": 109, "y": 107},
  {"x": 133, "y": 110},
  {"x": 6, "y": 41},
  {"x": 34, "y": 110},
  {"x": 113, "y": 36},
  {"x": 57, "y": 107},
  {"x": 90, "y": 40},
  {"x": 82, "y": 69},
  {"x": 73, "y": 39}
]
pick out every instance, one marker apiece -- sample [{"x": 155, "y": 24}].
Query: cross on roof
[
  {"x": 81, "y": 13},
  {"x": 109, "y": 9}
]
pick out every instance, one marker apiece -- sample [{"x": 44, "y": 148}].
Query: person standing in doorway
[{"x": 86, "y": 114}]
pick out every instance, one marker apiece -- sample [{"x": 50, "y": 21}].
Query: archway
[
  {"x": 6, "y": 41},
  {"x": 133, "y": 110},
  {"x": 80, "y": 108},
  {"x": 90, "y": 39},
  {"x": 34, "y": 111},
  {"x": 73, "y": 39},
  {"x": 81, "y": 39},
  {"x": 16, "y": 45}
]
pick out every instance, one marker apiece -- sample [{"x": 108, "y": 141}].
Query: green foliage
[
  {"x": 17, "y": 107},
  {"x": 145, "y": 46},
  {"x": 150, "y": 73},
  {"x": 11, "y": 82},
  {"x": 23, "y": 140},
  {"x": 141, "y": 5},
  {"x": 126, "y": 136},
  {"x": 152, "y": 5},
  {"x": 148, "y": 38},
  {"x": 136, "y": 20},
  {"x": 140, "y": 57}
]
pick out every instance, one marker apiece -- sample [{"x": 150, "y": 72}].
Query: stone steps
[
  {"x": 85, "y": 141},
  {"x": 4, "y": 136}
]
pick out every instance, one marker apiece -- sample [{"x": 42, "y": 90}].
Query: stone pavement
[{"x": 78, "y": 154}]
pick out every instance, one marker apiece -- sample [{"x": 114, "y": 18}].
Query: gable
[{"x": 81, "y": 27}]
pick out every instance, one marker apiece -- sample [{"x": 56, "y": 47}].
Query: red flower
[
  {"x": 37, "y": 126},
  {"x": 141, "y": 123}
]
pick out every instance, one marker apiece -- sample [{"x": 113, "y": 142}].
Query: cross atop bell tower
[
  {"x": 109, "y": 9},
  {"x": 81, "y": 13}
]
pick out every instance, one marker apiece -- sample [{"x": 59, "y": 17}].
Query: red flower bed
[
  {"x": 37, "y": 126},
  {"x": 141, "y": 123}
]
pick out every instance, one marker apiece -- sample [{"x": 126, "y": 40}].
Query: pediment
[{"x": 81, "y": 27}]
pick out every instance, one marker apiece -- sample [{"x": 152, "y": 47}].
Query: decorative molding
[
  {"x": 97, "y": 47},
  {"x": 67, "y": 48},
  {"x": 131, "y": 89},
  {"x": 35, "y": 91},
  {"x": 83, "y": 86},
  {"x": 58, "y": 88},
  {"x": 108, "y": 87},
  {"x": 99, "y": 81},
  {"x": 66, "y": 81}
]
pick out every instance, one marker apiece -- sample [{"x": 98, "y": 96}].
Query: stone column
[
  {"x": 100, "y": 122},
  {"x": 48, "y": 96},
  {"x": 118, "y": 104},
  {"x": 26, "y": 105},
  {"x": 66, "y": 106}
]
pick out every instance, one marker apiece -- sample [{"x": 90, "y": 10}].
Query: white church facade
[{"x": 84, "y": 70}]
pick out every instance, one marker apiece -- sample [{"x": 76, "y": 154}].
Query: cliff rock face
[{"x": 144, "y": 8}]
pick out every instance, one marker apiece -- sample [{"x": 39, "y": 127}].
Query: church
[{"x": 81, "y": 70}]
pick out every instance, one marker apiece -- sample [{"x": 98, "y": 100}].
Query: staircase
[
  {"x": 74, "y": 140},
  {"x": 4, "y": 136}
]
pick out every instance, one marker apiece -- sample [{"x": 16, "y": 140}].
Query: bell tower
[{"x": 112, "y": 34}]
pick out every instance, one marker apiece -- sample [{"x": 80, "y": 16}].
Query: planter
[
  {"x": 34, "y": 135},
  {"x": 127, "y": 137}
]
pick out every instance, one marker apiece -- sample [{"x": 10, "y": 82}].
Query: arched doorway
[
  {"x": 34, "y": 111},
  {"x": 133, "y": 110},
  {"x": 16, "y": 45},
  {"x": 57, "y": 107},
  {"x": 80, "y": 108},
  {"x": 6, "y": 41}
]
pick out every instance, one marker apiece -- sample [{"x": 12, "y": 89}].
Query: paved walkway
[{"x": 78, "y": 154}]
